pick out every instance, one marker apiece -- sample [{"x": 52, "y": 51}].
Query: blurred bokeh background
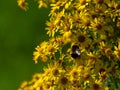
[{"x": 20, "y": 33}]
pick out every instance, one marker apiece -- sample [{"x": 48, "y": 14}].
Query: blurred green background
[{"x": 20, "y": 33}]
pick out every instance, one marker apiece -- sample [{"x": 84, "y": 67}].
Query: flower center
[{"x": 81, "y": 39}]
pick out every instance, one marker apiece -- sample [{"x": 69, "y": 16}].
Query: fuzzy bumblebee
[{"x": 75, "y": 51}]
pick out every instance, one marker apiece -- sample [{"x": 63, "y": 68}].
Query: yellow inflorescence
[
  {"x": 83, "y": 52},
  {"x": 23, "y": 4}
]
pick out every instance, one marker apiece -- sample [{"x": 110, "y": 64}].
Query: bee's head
[{"x": 74, "y": 48}]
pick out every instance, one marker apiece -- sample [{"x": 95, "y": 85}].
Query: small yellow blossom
[
  {"x": 42, "y": 4},
  {"x": 67, "y": 36},
  {"x": 23, "y": 4},
  {"x": 117, "y": 50}
]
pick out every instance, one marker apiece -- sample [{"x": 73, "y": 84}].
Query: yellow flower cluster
[
  {"x": 83, "y": 52},
  {"x": 23, "y": 4}
]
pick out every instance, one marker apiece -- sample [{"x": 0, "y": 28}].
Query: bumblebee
[{"x": 75, "y": 51}]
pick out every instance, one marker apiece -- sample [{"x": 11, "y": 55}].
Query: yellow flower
[
  {"x": 63, "y": 80},
  {"x": 86, "y": 22},
  {"x": 67, "y": 5},
  {"x": 60, "y": 41},
  {"x": 23, "y": 4},
  {"x": 23, "y": 85},
  {"x": 106, "y": 88},
  {"x": 56, "y": 6},
  {"x": 94, "y": 60},
  {"x": 36, "y": 56},
  {"x": 86, "y": 76},
  {"x": 114, "y": 71},
  {"x": 74, "y": 73},
  {"x": 97, "y": 85},
  {"x": 51, "y": 28},
  {"x": 82, "y": 4},
  {"x": 44, "y": 58},
  {"x": 42, "y": 4},
  {"x": 67, "y": 36},
  {"x": 106, "y": 49},
  {"x": 66, "y": 23},
  {"x": 82, "y": 39},
  {"x": 40, "y": 49},
  {"x": 97, "y": 24},
  {"x": 117, "y": 50}
]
